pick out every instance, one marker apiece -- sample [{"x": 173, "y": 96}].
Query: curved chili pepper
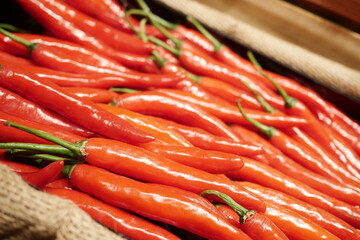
[
  {"x": 11, "y": 59},
  {"x": 161, "y": 105},
  {"x": 63, "y": 183},
  {"x": 267, "y": 176},
  {"x": 14, "y": 135},
  {"x": 230, "y": 114},
  {"x": 282, "y": 163},
  {"x": 83, "y": 112},
  {"x": 13, "y": 104},
  {"x": 205, "y": 140},
  {"x": 115, "y": 218},
  {"x": 60, "y": 27},
  {"x": 255, "y": 225},
  {"x": 93, "y": 94},
  {"x": 12, "y": 47},
  {"x": 209, "y": 161},
  {"x": 130, "y": 160},
  {"x": 19, "y": 167},
  {"x": 161, "y": 132},
  {"x": 300, "y": 153},
  {"x": 317, "y": 215},
  {"x": 159, "y": 204},
  {"x": 43, "y": 176}
]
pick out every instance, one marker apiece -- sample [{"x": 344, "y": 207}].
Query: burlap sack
[
  {"x": 299, "y": 40},
  {"x": 27, "y": 213}
]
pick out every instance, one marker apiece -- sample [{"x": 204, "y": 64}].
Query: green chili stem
[
  {"x": 12, "y": 28},
  {"x": 123, "y": 90},
  {"x": 75, "y": 148},
  {"x": 266, "y": 130},
  {"x": 193, "y": 77},
  {"x": 217, "y": 45},
  {"x": 67, "y": 169},
  {"x": 289, "y": 101},
  {"x": 261, "y": 100},
  {"x": 160, "y": 61},
  {"x": 142, "y": 33},
  {"x": 161, "y": 43},
  {"x": 38, "y": 147},
  {"x": 42, "y": 156},
  {"x": 241, "y": 211},
  {"x": 29, "y": 45}
]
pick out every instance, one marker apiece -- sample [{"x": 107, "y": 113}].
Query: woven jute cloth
[
  {"x": 303, "y": 42},
  {"x": 27, "y": 213}
]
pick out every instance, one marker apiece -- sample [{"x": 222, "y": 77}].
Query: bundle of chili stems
[{"x": 159, "y": 131}]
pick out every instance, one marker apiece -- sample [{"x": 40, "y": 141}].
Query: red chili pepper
[
  {"x": 63, "y": 183},
  {"x": 114, "y": 218},
  {"x": 158, "y": 104},
  {"x": 63, "y": 28},
  {"x": 83, "y": 112},
  {"x": 282, "y": 163},
  {"x": 93, "y": 94},
  {"x": 161, "y": 133},
  {"x": 205, "y": 140},
  {"x": 130, "y": 160},
  {"x": 19, "y": 167},
  {"x": 342, "y": 117},
  {"x": 230, "y": 114},
  {"x": 14, "y": 135},
  {"x": 317, "y": 215},
  {"x": 159, "y": 204},
  {"x": 13, "y": 104},
  {"x": 45, "y": 175},
  {"x": 215, "y": 162},
  {"x": 267, "y": 176},
  {"x": 255, "y": 225},
  {"x": 299, "y": 152},
  {"x": 14, "y": 48},
  {"x": 11, "y": 59}
]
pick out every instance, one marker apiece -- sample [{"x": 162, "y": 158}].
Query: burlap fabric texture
[
  {"x": 27, "y": 213},
  {"x": 310, "y": 45}
]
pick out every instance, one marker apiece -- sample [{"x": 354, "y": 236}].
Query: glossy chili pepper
[
  {"x": 63, "y": 183},
  {"x": 255, "y": 225},
  {"x": 282, "y": 163},
  {"x": 162, "y": 133},
  {"x": 342, "y": 117},
  {"x": 267, "y": 176},
  {"x": 83, "y": 112},
  {"x": 159, "y": 204},
  {"x": 297, "y": 151},
  {"x": 19, "y": 167},
  {"x": 63, "y": 28},
  {"x": 114, "y": 218},
  {"x": 130, "y": 160},
  {"x": 45, "y": 175},
  {"x": 205, "y": 140},
  {"x": 158, "y": 104},
  {"x": 13, "y": 104},
  {"x": 230, "y": 114},
  {"x": 11, "y": 59},
  {"x": 11, "y": 47},
  {"x": 112, "y": 13},
  {"x": 14, "y": 135},
  {"x": 209, "y": 161},
  {"x": 317, "y": 215},
  {"x": 93, "y": 94},
  {"x": 295, "y": 226}
]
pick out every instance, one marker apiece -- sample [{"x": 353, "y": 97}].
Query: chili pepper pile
[{"x": 159, "y": 131}]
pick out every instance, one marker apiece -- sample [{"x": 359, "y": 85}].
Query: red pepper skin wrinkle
[
  {"x": 267, "y": 176},
  {"x": 19, "y": 167},
  {"x": 161, "y": 132},
  {"x": 130, "y": 160},
  {"x": 9, "y": 134},
  {"x": 45, "y": 175},
  {"x": 161, "y": 105},
  {"x": 14, "y": 104},
  {"x": 209, "y": 161},
  {"x": 229, "y": 113},
  {"x": 317, "y": 215},
  {"x": 295, "y": 226},
  {"x": 153, "y": 203},
  {"x": 119, "y": 220},
  {"x": 257, "y": 226},
  {"x": 83, "y": 112},
  {"x": 95, "y": 95},
  {"x": 279, "y": 161},
  {"x": 205, "y": 140},
  {"x": 8, "y": 58}
]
